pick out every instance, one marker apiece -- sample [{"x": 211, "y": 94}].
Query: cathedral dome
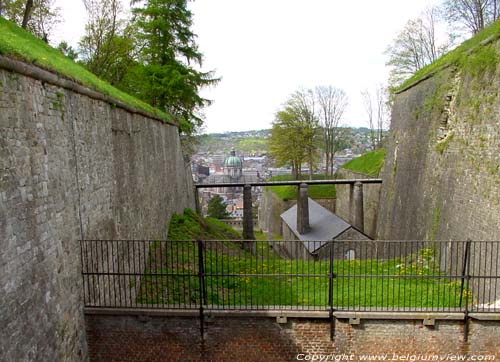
[{"x": 233, "y": 160}]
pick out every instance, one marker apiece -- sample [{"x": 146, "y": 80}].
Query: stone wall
[
  {"x": 371, "y": 198},
  {"x": 72, "y": 167},
  {"x": 128, "y": 338},
  {"x": 442, "y": 169}
]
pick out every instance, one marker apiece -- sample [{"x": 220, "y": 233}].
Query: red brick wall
[{"x": 129, "y": 338}]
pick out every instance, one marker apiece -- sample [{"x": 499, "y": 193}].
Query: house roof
[{"x": 325, "y": 225}]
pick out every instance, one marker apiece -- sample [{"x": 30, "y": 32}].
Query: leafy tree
[
  {"x": 332, "y": 103},
  {"x": 302, "y": 104},
  {"x": 294, "y": 134},
  {"x": 474, "y": 15},
  {"x": 217, "y": 208},
  {"x": 416, "y": 46},
  {"x": 37, "y": 16},
  {"x": 67, "y": 50},
  {"x": 108, "y": 48},
  {"x": 166, "y": 74}
]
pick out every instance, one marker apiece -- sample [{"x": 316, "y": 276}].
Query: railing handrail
[{"x": 290, "y": 183}]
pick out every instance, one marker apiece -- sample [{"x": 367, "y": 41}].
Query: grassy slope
[
  {"x": 368, "y": 164},
  {"x": 315, "y": 191},
  {"x": 190, "y": 226},
  {"x": 21, "y": 45},
  {"x": 457, "y": 56}
]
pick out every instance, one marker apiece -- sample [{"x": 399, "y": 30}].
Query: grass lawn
[
  {"x": 234, "y": 277},
  {"x": 315, "y": 191},
  {"x": 368, "y": 164}
]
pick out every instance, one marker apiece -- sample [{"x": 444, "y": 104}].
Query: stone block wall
[
  {"x": 442, "y": 169},
  {"x": 72, "y": 167},
  {"x": 130, "y": 338}
]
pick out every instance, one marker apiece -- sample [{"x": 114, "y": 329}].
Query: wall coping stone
[{"x": 44, "y": 75}]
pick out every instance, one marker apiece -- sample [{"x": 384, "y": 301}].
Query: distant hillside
[{"x": 314, "y": 191}]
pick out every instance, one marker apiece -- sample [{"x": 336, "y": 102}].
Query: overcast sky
[{"x": 264, "y": 50}]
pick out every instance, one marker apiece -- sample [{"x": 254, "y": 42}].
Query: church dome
[{"x": 233, "y": 160}]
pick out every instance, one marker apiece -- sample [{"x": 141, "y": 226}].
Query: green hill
[{"x": 368, "y": 164}]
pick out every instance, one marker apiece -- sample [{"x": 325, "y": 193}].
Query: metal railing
[{"x": 393, "y": 276}]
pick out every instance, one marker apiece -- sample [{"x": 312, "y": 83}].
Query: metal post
[
  {"x": 201, "y": 279},
  {"x": 197, "y": 201},
  {"x": 464, "y": 286},
  {"x": 247, "y": 217},
  {"x": 303, "y": 209},
  {"x": 330, "y": 293},
  {"x": 357, "y": 204}
]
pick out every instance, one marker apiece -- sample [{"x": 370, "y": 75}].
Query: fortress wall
[
  {"x": 72, "y": 167},
  {"x": 441, "y": 176}
]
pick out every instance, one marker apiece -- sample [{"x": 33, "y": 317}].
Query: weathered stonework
[
  {"x": 72, "y": 167},
  {"x": 441, "y": 176}
]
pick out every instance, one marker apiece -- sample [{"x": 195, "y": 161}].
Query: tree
[
  {"x": 416, "y": 46},
  {"x": 303, "y": 105},
  {"x": 294, "y": 134},
  {"x": 474, "y": 15},
  {"x": 67, "y": 50},
  {"x": 332, "y": 103},
  {"x": 378, "y": 111},
  {"x": 217, "y": 208},
  {"x": 166, "y": 74},
  {"x": 108, "y": 48},
  {"x": 37, "y": 16}
]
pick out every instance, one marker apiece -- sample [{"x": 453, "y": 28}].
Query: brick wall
[{"x": 131, "y": 338}]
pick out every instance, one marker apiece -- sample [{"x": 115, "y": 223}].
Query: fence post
[
  {"x": 201, "y": 278},
  {"x": 248, "y": 234},
  {"x": 465, "y": 284},
  {"x": 330, "y": 293}
]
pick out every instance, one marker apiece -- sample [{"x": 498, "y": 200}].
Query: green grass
[
  {"x": 250, "y": 280},
  {"x": 315, "y": 191},
  {"x": 368, "y": 164},
  {"x": 191, "y": 226},
  {"x": 461, "y": 55},
  {"x": 21, "y": 45}
]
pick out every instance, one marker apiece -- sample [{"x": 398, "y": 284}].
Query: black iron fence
[{"x": 431, "y": 276}]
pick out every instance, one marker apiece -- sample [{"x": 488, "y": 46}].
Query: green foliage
[
  {"x": 252, "y": 145},
  {"x": 191, "y": 226},
  {"x": 19, "y": 44},
  {"x": 164, "y": 76},
  {"x": 458, "y": 56},
  {"x": 314, "y": 191},
  {"x": 217, "y": 208},
  {"x": 295, "y": 133},
  {"x": 369, "y": 164},
  {"x": 43, "y": 15}
]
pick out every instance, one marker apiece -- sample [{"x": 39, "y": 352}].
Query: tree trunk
[
  {"x": 327, "y": 163},
  {"x": 311, "y": 171},
  {"x": 27, "y": 13},
  {"x": 1, "y": 7}
]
